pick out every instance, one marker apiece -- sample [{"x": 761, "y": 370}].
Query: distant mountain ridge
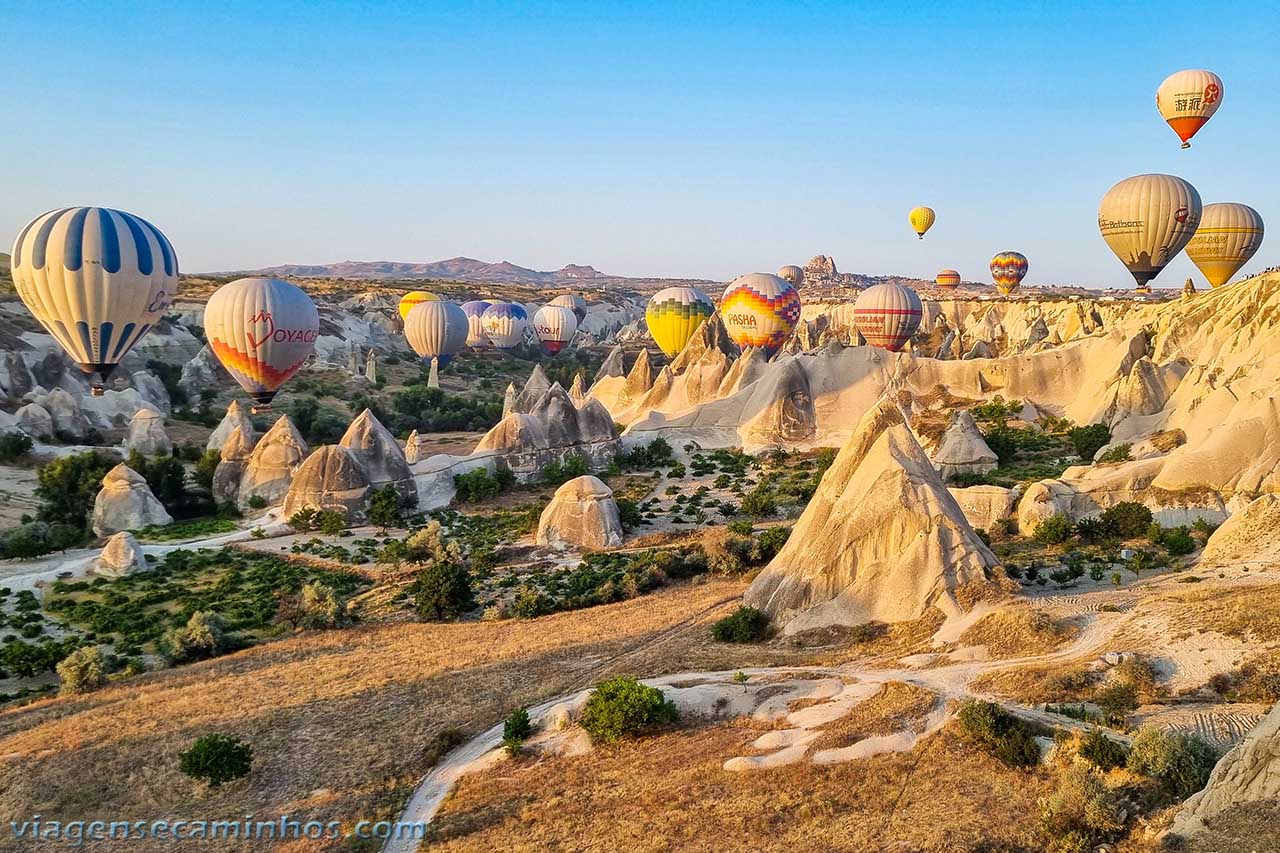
[{"x": 455, "y": 269}]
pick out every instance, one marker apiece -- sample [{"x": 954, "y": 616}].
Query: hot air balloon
[
  {"x": 888, "y": 315},
  {"x": 262, "y": 330},
  {"x": 1228, "y": 236},
  {"x": 674, "y": 314},
  {"x": 97, "y": 279},
  {"x": 793, "y": 274},
  {"x": 504, "y": 324},
  {"x": 437, "y": 330},
  {"x": 475, "y": 325},
  {"x": 1188, "y": 99},
  {"x": 554, "y": 325},
  {"x": 760, "y": 310},
  {"x": 574, "y": 303},
  {"x": 922, "y": 219},
  {"x": 1008, "y": 269},
  {"x": 947, "y": 279},
  {"x": 412, "y": 298},
  {"x": 1147, "y": 220}
]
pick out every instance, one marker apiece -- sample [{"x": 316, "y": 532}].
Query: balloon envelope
[
  {"x": 922, "y": 219},
  {"x": 475, "y": 325},
  {"x": 793, "y": 274},
  {"x": 1228, "y": 236},
  {"x": 888, "y": 315},
  {"x": 97, "y": 279},
  {"x": 412, "y": 298},
  {"x": 1008, "y": 269},
  {"x": 1188, "y": 99},
  {"x": 1147, "y": 220},
  {"x": 760, "y": 310},
  {"x": 436, "y": 330},
  {"x": 262, "y": 330},
  {"x": 674, "y": 315},
  {"x": 504, "y": 324},
  {"x": 947, "y": 278},
  {"x": 554, "y": 325},
  {"x": 574, "y": 303}
]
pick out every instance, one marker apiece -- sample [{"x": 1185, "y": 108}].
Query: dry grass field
[
  {"x": 1018, "y": 632},
  {"x": 342, "y": 723},
  {"x": 669, "y": 792}
]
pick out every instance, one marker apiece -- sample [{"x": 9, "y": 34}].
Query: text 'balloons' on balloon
[
  {"x": 97, "y": 279},
  {"x": 437, "y": 330},
  {"x": 412, "y": 298},
  {"x": 504, "y": 324},
  {"x": 475, "y": 323},
  {"x": 262, "y": 330},
  {"x": 1187, "y": 99},
  {"x": 1229, "y": 235},
  {"x": 947, "y": 278},
  {"x": 574, "y": 303},
  {"x": 674, "y": 314},
  {"x": 887, "y": 315},
  {"x": 1008, "y": 269},
  {"x": 1147, "y": 220},
  {"x": 922, "y": 219},
  {"x": 760, "y": 310},
  {"x": 554, "y": 325},
  {"x": 793, "y": 274}
]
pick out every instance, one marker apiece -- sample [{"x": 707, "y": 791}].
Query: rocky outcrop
[
  {"x": 379, "y": 454},
  {"x": 1247, "y": 536},
  {"x": 121, "y": 556},
  {"x": 552, "y": 431},
  {"x": 578, "y": 391},
  {"x": 234, "y": 420},
  {"x": 15, "y": 377},
  {"x": 582, "y": 515},
  {"x": 536, "y": 386},
  {"x": 233, "y": 456},
  {"x": 65, "y": 412},
  {"x": 746, "y": 369},
  {"x": 1247, "y": 776},
  {"x": 986, "y": 507},
  {"x": 146, "y": 434},
  {"x": 125, "y": 502},
  {"x": 416, "y": 448},
  {"x": 35, "y": 420},
  {"x": 789, "y": 417},
  {"x": 639, "y": 380},
  {"x": 332, "y": 478},
  {"x": 509, "y": 399},
  {"x": 204, "y": 371},
  {"x": 613, "y": 365},
  {"x": 711, "y": 336},
  {"x": 1043, "y": 500},
  {"x": 270, "y": 468},
  {"x": 882, "y": 539},
  {"x": 963, "y": 450}
]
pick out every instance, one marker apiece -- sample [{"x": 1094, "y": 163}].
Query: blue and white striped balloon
[
  {"x": 97, "y": 279},
  {"x": 505, "y": 324},
  {"x": 475, "y": 322}
]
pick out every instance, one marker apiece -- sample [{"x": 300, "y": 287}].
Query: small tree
[
  {"x": 443, "y": 591},
  {"x": 331, "y": 522},
  {"x": 82, "y": 671},
  {"x": 1055, "y": 530},
  {"x": 1102, "y": 752},
  {"x": 744, "y": 625},
  {"x": 204, "y": 636},
  {"x": 216, "y": 759},
  {"x": 1181, "y": 763},
  {"x": 320, "y": 606},
  {"x": 384, "y": 507},
  {"x": 68, "y": 486},
  {"x": 623, "y": 707},
  {"x": 1117, "y": 700},
  {"x": 206, "y": 467},
  {"x": 1088, "y": 440},
  {"x": 1129, "y": 518},
  {"x": 515, "y": 730}
]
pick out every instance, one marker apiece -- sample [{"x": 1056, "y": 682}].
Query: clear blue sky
[{"x": 681, "y": 139}]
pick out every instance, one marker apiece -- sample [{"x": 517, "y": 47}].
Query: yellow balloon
[
  {"x": 922, "y": 219},
  {"x": 1228, "y": 236},
  {"x": 412, "y": 298},
  {"x": 674, "y": 315}
]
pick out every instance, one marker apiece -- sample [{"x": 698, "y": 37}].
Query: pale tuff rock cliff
[
  {"x": 583, "y": 514},
  {"x": 710, "y": 337},
  {"x": 331, "y": 478},
  {"x": 121, "y": 556},
  {"x": 270, "y": 468},
  {"x": 415, "y": 448},
  {"x": 125, "y": 502},
  {"x": 233, "y": 457},
  {"x": 146, "y": 434},
  {"x": 1250, "y": 535},
  {"x": 552, "y": 431},
  {"x": 534, "y": 388},
  {"x": 234, "y": 420},
  {"x": 882, "y": 539},
  {"x": 612, "y": 366},
  {"x": 986, "y": 507},
  {"x": 379, "y": 454},
  {"x": 963, "y": 450}
]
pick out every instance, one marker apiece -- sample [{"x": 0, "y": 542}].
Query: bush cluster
[
  {"x": 999, "y": 733},
  {"x": 216, "y": 759},
  {"x": 623, "y": 707},
  {"x": 479, "y": 485},
  {"x": 744, "y": 625}
]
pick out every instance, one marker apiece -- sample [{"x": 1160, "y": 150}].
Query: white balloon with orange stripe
[
  {"x": 97, "y": 279},
  {"x": 1188, "y": 99},
  {"x": 887, "y": 315},
  {"x": 263, "y": 330}
]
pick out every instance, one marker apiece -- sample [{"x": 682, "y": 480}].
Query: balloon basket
[
  {"x": 260, "y": 409},
  {"x": 1186, "y": 145},
  {"x": 96, "y": 390}
]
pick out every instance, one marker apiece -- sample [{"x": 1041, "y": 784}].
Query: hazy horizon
[{"x": 657, "y": 142}]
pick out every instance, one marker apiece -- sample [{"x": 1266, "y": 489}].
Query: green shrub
[
  {"x": 303, "y": 520},
  {"x": 14, "y": 445},
  {"x": 216, "y": 759},
  {"x": 257, "y": 502},
  {"x": 67, "y": 487},
  {"x": 999, "y": 733},
  {"x": 1119, "y": 453},
  {"x": 443, "y": 591},
  {"x": 530, "y": 603},
  {"x": 384, "y": 507},
  {"x": 1181, "y": 763},
  {"x": 1096, "y": 530},
  {"x": 331, "y": 522},
  {"x": 320, "y": 606},
  {"x": 1080, "y": 812},
  {"x": 759, "y": 503},
  {"x": 475, "y": 486},
  {"x": 629, "y": 514},
  {"x": 204, "y": 636},
  {"x": 1117, "y": 700},
  {"x": 1103, "y": 752},
  {"x": 1178, "y": 541},
  {"x": 1055, "y": 530},
  {"x": 515, "y": 730},
  {"x": 1088, "y": 440},
  {"x": 82, "y": 671},
  {"x": 744, "y": 625},
  {"x": 1129, "y": 518},
  {"x": 655, "y": 454},
  {"x": 623, "y": 707}
]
